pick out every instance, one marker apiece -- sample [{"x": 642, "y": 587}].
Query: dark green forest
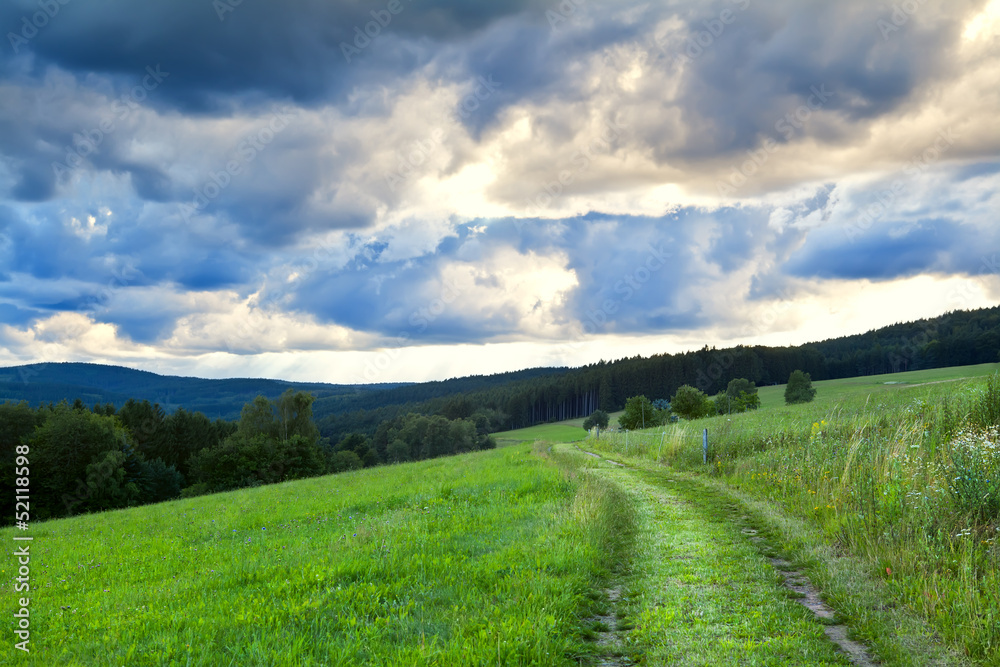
[
  {"x": 77, "y": 459},
  {"x": 96, "y": 383},
  {"x": 114, "y": 446},
  {"x": 524, "y": 398},
  {"x": 956, "y": 339}
]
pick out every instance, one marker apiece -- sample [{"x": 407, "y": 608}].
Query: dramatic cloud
[{"x": 307, "y": 188}]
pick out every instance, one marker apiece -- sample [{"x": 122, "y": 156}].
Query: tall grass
[
  {"x": 907, "y": 478},
  {"x": 485, "y": 558}
]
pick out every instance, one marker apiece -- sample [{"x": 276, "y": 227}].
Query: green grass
[
  {"x": 829, "y": 392},
  {"x": 612, "y": 419},
  {"x": 484, "y": 558},
  {"x": 699, "y": 593},
  {"x": 561, "y": 432},
  {"x": 874, "y": 468},
  {"x": 694, "y": 556},
  {"x": 506, "y": 556}
]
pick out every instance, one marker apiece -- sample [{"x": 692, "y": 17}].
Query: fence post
[
  {"x": 626, "y": 442},
  {"x": 660, "y": 449},
  {"x": 704, "y": 447}
]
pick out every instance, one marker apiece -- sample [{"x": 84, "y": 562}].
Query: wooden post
[
  {"x": 661, "y": 446},
  {"x": 704, "y": 447}
]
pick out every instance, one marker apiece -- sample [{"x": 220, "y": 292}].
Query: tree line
[
  {"x": 957, "y": 338},
  {"x": 99, "y": 458}
]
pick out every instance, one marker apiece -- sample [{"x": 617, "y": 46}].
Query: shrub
[
  {"x": 799, "y": 389},
  {"x": 345, "y": 460},
  {"x": 199, "y": 489},
  {"x": 599, "y": 418},
  {"x": 640, "y": 413},
  {"x": 398, "y": 451},
  {"x": 159, "y": 481},
  {"x": 692, "y": 403}
]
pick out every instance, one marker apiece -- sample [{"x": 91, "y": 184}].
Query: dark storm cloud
[
  {"x": 246, "y": 50},
  {"x": 179, "y": 222},
  {"x": 533, "y": 60},
  {"x": 770, "y": 59}
]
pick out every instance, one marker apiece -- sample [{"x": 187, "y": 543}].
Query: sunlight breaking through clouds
[{"x": 222, "y": 210}]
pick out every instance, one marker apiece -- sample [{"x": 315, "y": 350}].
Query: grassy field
[
  {"x": 612, "y": 417},
  {"x": 560, "y": 432},
  {"x": 545, "y": 555},
  {"x": 829, "y": 392},
  {"x": 518, "y": 556},
  {"x": 906, "y": 477},
  {"x": 485, "y": 558}
]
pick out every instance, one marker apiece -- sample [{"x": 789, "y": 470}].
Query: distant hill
[
  {"x": 97, "y": 383},
  {"x": 535, "y": 395}
]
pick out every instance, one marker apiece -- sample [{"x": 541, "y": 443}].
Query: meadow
[
  {"x": 487, "y": 558},
  {"x": 560, "y": 432},
  {"x": 883, "y": 491},
  {"x": 899, "y": 471}
]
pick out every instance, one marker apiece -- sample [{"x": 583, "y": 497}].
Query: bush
[
  {"x": 640, "y": 413},
  {"x": 397, "y": 451},
  {"x": 345, "y": 460},
  {"x": 692, "y": 403},
  {"x": 598, "y": 419},
  {"x": 799, "y": 389},
  {"x": 199, "y": 489},
  {"x": 159, "y": 481}
]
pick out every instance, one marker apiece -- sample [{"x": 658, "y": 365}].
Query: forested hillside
[
  {"x": 957, "y": 338},
  {"x": 524, "y": 398},
  {"x": 96, "y": 383}
]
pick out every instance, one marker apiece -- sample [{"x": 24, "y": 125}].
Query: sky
[{"x": 407, "y": 190}]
